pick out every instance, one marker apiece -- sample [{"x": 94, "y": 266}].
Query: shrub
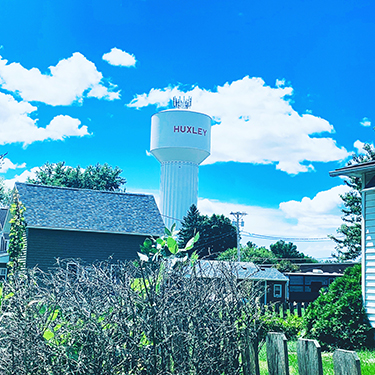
[
  {"x": 337, "y": 318},
  {"x": 291, "y": 326}
]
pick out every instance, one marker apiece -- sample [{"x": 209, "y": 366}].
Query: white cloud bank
[
  {"x": 118, "y": 57},
  {"x": 7, "y": 164},
  {"x": 16, "y": 125},
  {"x": 9, "y": 183},
  {"x": 69, "y": 81},
  {"x": 256, "y": 124},
  {"x": 309, "y": 218}
]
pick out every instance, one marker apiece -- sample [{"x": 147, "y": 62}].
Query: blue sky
[{"x": 289, "y": 85}]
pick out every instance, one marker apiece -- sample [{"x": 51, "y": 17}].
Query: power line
[{"x": 295, "y": 239}]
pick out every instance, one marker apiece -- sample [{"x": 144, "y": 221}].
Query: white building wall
[{"x": 368, "y": 256}]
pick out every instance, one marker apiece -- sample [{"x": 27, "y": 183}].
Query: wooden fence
[
  {"x": 282, "y": 308},
  {"x": 308, "y": 354}
]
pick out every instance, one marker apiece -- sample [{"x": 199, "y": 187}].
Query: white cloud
[
  {"x": 9, "y": 183},
  {"x": 256, "y": 124},
  {"x": 309, "y": 218},
  {"x": 69, "y": 81},
  {"x": 359, "y": 146},
  {"x": 16, "y": 125},
  {"x": 321, "y": 212},
  {"x": 118, "y": 57},
  {"x": 8, "y": 164},
  {"x": 365, "y": 122}
]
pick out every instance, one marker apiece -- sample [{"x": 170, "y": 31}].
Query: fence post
[
  {"x": 277, "y": 354},
  {"x": 285, "y": 307},
  {"x": 346, "y": 362},
  {"x": 299, "y": 309},
  {"x": 309, "y": 357},
  {"x": 291, "y": 308},
  {"x": 277, "y": 308},
  {"x": 250, "y": 357}
]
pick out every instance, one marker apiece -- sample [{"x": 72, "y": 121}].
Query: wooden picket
[{"x": 309, "y": 357}]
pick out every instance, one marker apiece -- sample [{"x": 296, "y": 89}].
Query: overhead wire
[{"x": 264, "y": 236}]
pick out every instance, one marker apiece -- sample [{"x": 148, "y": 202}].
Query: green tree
[
  {"x": 96, "y": 177},
  {"x": 250, "y": 253},
  {"x": 288, "y": 251},
  {"x": 337, "y": 318},
  {"x": 349, "y": 247},
  {"x": 17, "y": 235},
  {"x": 216, "y": 233}
]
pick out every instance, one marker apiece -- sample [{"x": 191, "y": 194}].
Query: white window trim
[{"x": 280, "y": 294}]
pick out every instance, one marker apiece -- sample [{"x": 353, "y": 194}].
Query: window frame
[{"x": 280, "y": 294}]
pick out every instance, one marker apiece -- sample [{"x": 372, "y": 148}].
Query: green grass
[{"x": 367, "y": 358}]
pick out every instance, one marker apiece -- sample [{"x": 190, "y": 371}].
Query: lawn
[{"x": 367, "y": 361}]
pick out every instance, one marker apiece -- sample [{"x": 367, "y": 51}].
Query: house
[
  {"x": 304, "y": 286},
  {"x": 275, "y": 283},
  {"x": 87, "y": 224},
  {"x": 366, "y": 171}
]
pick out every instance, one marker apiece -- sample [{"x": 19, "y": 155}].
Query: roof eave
[{"x": 353, "y": 171}]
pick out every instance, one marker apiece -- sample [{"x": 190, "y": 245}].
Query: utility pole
[{"x": 238, "y": 216}]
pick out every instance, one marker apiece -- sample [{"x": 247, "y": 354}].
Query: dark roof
[
  {"x": 89, "y": 210},
  {"x": 3, "y": 214},
  {"x": 243, "y": 270},
  {"x": 354, "y": 170}
]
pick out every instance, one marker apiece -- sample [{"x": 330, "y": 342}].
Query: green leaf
[
  {"x": 160, "y": 241},
  {"x": 9, "y": 295},
  {"x": 196, "y": 237},
  {"x": 54, "y": 315},
  {"x": 48, "y": 334},
  {"x": 189, "y": 245},
  {"x": 167, "y": 231},
  {"x": 172, "y": 245}
]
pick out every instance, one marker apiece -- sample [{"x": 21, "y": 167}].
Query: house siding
[
  {"x": 368, "y": 257},
  {"x": 270, "y": 288},
  {"x": 44, "y": 246}
]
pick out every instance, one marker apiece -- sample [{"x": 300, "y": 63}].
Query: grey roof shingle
[
  {"x": 3, "y": 214},
  {"x": 243, "y": 270},
  {"x": 90, "y": 210}
]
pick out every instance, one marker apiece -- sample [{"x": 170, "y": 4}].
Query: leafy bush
[
  {"x": 337, "y": 318},
  {"x": 291, "y": 326}
]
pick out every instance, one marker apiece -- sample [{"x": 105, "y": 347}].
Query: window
[
  {"x": 277, "y": 291},
  {"x": 3, "y": 271}
]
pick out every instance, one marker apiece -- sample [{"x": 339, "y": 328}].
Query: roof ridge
[{"x": 81, "y": 189}]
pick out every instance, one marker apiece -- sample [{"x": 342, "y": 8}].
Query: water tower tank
[{"x": 180, "y": 140}]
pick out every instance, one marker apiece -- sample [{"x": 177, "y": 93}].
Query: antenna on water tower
[
  {"x": 182, "y": 103},
  {"x": 180, "y": 141}
]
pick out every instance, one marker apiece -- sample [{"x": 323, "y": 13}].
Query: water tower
[{"x": 180, "y": 141}]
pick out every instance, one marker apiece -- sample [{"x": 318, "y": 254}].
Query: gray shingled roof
[
  {"x": 90, "y": 210},
  {"x": 3, "y": 214},
  {"x": 243, "y": 270}
]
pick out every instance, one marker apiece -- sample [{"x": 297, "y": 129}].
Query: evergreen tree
[
  {"x": 216, "y": 233},
  {"x": 349, "y": 247},
  {"x": 190, "y": 225}
]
